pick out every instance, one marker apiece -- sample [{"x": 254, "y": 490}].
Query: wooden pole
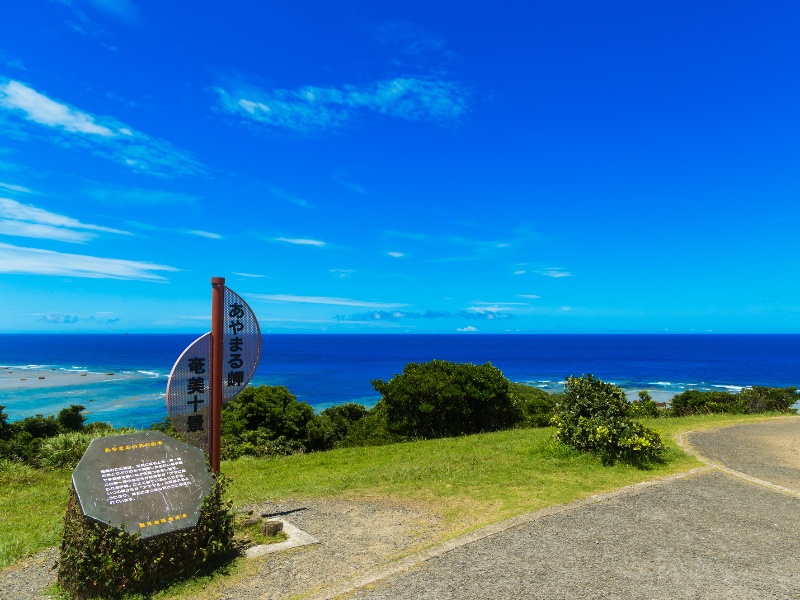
[{"x": 217, "y": 331}]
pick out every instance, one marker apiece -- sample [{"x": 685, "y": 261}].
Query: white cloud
[
  {"x": 555, "y": 272},
  {"x": 15, "y": 188},
  {"x": 105, "y": 136},
  {"x": 34, "y": 261},
  {"x": 300, "y": 242},
  {"x": 205, "y": 234},
  {"x": 59, "y": 319},
  {"x": 468, "y": 328},
  {"x": 519, "y": 272},
  {"x": 45, "y": 232},
  {"x": 528, "y": 296},
  {"x": 26, "y": 220},
  {"x": 250, "y": 275},
  {"x": 43, "y": 110},
  {"x": 323, "y": 300},
  {"x": 396, "y": 254},
  {"x": 310, "y": 109}
]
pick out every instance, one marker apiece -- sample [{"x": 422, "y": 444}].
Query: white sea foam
[
  {"x": 152, "y": 374},
  {"x": 737, "y": 388}
]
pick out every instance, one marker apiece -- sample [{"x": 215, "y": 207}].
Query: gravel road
[{"x": 710, "y": 535}]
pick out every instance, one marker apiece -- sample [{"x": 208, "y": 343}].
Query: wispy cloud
[
  {"x": 314, "y": 109},
  {"x": 396, "y": 254},
  {"x": 250, "y": 275},
  {"x": 324, "y": 300},
  {"x": 291, "y": 198},
  {"x": 556, "y": 272},
  {"x": 166, "y": 230},
  {"x": 205, "y": 234},
  {"x": 10, "y": 187},
  {"x": 123, "y": 10},
  {"x": 300, "y": 241},
  {"x": 408, "y": 37},
  {"x": 104, "y": 136},
  {"x": 58, "y": 319},
  {"x": 529, "y": 296},
  {"x": 467, "y": 329},
  {"x": 34, "y": 261},
  {"x": 26, "y": 220},
  {"x": 65, "y": 319},
  {"x": 342, "y": 273},
  {"x": 127, "y": 196},
  {"x": 341, "y": 178},
  {"x": 398, "y": 315}
]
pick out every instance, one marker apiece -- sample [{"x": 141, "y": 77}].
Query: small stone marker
[
  {"x": 143, "y": 482},
  {"x": 271, "y": 528}
]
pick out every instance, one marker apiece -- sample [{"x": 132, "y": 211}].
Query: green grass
[
  {"x": 471, "y": 481},
  {"x": 32, "y": 504}
]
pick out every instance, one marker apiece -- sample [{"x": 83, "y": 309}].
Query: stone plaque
[{"x": 143, "y": 482}]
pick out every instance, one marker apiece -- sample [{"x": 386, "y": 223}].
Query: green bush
[
  {"x": 267, "y": 421},
  {"x": 536, "y": 406},
  {"x": 645, "y": 406},
  {"x": 441, "y": 399},
  {"x": 594, "y": 416},
  {"x": 98, "y": 561},
  {"x": 696, "y": 402},
  {"x": 758, "y": 399},
  {"x": 333, "y": 424},
  {"x": 65, "y": 450},
  {"x": 370, "y": 430}
]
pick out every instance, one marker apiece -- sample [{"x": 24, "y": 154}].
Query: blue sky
[{"x": 573, "y": 167}]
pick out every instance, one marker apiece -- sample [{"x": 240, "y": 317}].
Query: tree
[
  {"x": 264, "y": 414},
  {"x": 441, "y": 398},
  {"x": 71, "y": 419}
]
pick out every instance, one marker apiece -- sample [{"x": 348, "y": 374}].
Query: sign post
[
  {"x": 213, "y": 370},
  {"x": 217, "y": 318}
]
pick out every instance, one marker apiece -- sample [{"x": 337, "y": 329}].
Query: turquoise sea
[{"x": 325, "y": 370}]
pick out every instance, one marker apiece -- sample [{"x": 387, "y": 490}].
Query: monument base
[{"x": 97, "y": 560}]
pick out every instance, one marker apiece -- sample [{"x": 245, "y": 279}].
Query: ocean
[{"x": 325, "y": 370}]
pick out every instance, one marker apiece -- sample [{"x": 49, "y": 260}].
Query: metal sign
[{"x": 189, "y": 385}]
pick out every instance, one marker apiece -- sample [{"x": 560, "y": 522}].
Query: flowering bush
[{"x": 594, "y": 416}]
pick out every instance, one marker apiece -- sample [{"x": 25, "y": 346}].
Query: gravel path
[
  {"x": 707, "y": 535},
  {"x": 710, "y": 535}
]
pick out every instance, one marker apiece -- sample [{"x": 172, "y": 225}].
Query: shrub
[
  {"x": 65, "y": 450},
  {"x": 333, "y": 424},
  {"x": 536, "y": 406},
  {"x": 759, "y": 399},
  {"x": 100, "y": 561},
  {"x": 441, "y": 398},
  {"x": 696, "y": 402},
  {"x": 645, "y": 406},
  {"x": 371, "y": 430},
  {"x": 594, "y": 416}
]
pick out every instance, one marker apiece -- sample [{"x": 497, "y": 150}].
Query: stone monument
[{"x": 145, "y": 482}]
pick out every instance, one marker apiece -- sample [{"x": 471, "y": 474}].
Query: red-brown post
[{"x": 217, "y": 329}]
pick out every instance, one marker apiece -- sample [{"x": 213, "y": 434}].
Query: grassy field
[{"x": 470, "y": 481}]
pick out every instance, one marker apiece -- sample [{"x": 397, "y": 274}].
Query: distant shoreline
[{"x": 35, "y": 377}]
